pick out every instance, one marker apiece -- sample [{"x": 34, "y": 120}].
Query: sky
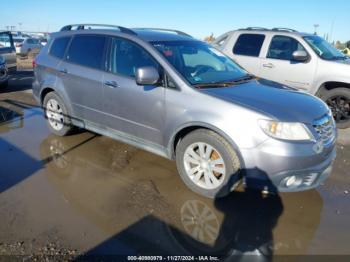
[{"x": 199, "y": 18}]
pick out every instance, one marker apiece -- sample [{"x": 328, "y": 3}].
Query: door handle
[
  {"x": 63, "y": 71},
  {"x": 111, "y": 84},
  {"x": 269, "y": 65}
]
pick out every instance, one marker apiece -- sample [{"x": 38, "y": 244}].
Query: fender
[
  {"x": 199, "y": 124},
  {"x": 320, "y": 83}
]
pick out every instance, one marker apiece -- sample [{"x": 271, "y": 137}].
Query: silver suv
[
  {"x": 178, "y": 97},
  {"x": 300, "y": 60}
]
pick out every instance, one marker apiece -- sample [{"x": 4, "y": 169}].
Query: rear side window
[
  {"x": 249, "y": 44},
  {"x": 59, "y": 47},
  {"x": 87, "y": 50},
  {"x": 282, "y": 47}
]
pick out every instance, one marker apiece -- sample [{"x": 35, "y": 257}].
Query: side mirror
[
  {"x": 147, "y": 75},
  {"x": 300, "y": 56}
]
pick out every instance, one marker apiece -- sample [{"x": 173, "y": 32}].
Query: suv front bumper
[{"x": 286, "y": 166}]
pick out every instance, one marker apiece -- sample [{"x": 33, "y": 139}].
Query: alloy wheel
[
  {"x": 54, "y": 114},
  {"x": 204, "y": 165}
]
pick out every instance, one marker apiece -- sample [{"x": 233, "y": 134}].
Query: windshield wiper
[{"x": 227, "y": 83}]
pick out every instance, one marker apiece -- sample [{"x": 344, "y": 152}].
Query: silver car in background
[
  {"x": 170, "y": 94},
  {"x": 24, "y": 46}
]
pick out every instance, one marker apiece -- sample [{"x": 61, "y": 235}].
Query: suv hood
[{"x": 274, "y": 100}]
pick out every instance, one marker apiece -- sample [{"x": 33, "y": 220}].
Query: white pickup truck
[{"x": 300, "y": 60}]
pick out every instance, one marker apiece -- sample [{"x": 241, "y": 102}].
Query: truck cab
[{"x": 303, "y": 61}]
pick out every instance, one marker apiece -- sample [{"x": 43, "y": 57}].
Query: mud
[{"x": 88, "y": 194}]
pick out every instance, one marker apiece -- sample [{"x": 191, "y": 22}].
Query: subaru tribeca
[{"x": 168, "y": 93}]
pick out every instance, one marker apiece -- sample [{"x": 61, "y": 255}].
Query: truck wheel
[
  {"x": 338, "y": 100},
  {"x": 208, "y": 164},
  {"x": 57, "y": 115}
]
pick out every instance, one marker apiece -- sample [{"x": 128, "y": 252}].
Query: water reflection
[
  {"x": 139, "y": 199},
  {"x": 10, "y": 119}
]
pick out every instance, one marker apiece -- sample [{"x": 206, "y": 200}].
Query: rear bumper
[{"x": 287, "y": 167}]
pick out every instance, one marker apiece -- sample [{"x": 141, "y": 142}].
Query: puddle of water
[{"x": 102, "y": 196}]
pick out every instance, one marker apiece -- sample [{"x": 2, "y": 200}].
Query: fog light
[{"x": 292, "y": 181}]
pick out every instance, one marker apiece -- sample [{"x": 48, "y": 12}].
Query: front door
[
  {"x": 130, "y": 108},
  {"x": 278, "y": 64}
]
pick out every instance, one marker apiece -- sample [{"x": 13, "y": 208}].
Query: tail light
[{"x": 34, "y": 63}]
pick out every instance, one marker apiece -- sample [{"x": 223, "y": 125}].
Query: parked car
[
  {"x": 43, "y": 41},
  {"x": 18, "y": 41},
  {"x": 300, "y": 60},
  {"x": 8, "y": 64},
  {"x": 178, "y": 97},
  {"x": 27, "y": 45}
]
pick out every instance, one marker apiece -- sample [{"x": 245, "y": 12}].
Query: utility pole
[{"x": 316, "y": 26}]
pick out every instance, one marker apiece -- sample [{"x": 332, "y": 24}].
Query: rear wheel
[
  {"x": 208, "y": 164},
  {"x": 56, "y": 114},
  {"x": 338, "y": 100}
]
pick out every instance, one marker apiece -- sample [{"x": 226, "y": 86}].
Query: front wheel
[
  {"x": 208, "y": 164},
  {"x": 338, "y": 100}
]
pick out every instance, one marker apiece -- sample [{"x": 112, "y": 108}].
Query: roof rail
[
  {"x": 88, "y": 26},
  {"x": 283, "y": 29},
  {"x": 165, "y": 30},
  {"x": 254, "y": 28}
]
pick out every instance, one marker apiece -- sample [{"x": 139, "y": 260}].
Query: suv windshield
[
  {"x": 199, "y": 63},
  {"x": 323, "y": 49}
]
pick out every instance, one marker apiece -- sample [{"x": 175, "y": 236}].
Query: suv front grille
[{"x": 325, "y": 129}]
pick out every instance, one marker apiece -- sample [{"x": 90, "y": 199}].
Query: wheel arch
[
  {"x": 182, "y": 131},
  {"x": 49, "y": 89},
  {"x": 329, "y": 85}
]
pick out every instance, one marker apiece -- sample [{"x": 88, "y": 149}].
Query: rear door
[
  {"x": 246, "y": 51},
  {"x": 278, "y": 64},
  {"x": 131, "y": 108},
  {"x": 81, "y": 75},
  {"x": 7, "y": 50}
]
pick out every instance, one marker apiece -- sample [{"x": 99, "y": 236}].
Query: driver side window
[
  {"x": 283, "y": 47},
  {"x": 127, "y": 56}
]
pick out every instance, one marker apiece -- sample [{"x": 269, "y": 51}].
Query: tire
[
  {"x": 228, "y": 174},
  {"x": 58, "y": 120},
  {"x": 330, "y": 96}
]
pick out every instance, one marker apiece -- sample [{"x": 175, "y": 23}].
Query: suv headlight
[{"x": 285, "y": 130}]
